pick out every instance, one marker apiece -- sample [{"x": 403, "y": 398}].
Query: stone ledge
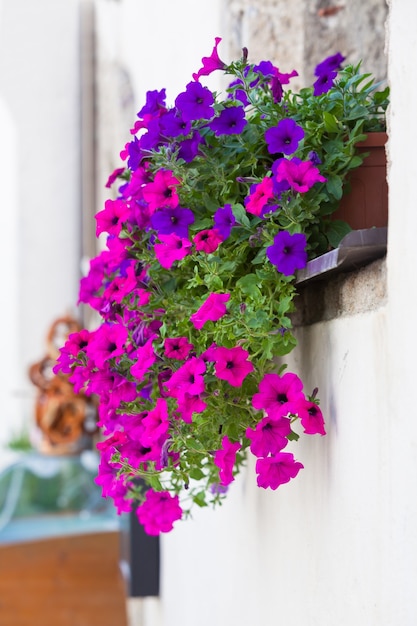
[{"x": 346, "y": 294}]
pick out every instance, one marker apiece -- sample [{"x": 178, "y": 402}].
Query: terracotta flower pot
[{"x": 366, "y": 204}]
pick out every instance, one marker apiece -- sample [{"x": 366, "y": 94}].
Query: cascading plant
[{"x": 221, "y": 199}]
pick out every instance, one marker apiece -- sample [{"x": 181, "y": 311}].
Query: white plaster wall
[
  {"x": 9, "y": 370},
  {"x": 39, "y": 87},
  {"x": 309, "y": 553}
]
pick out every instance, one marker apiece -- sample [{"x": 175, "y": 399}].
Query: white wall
[{"x": 39, "y": 89}]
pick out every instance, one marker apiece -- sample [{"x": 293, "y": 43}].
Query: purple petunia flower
[
  {"x": 224, "y": 220},
  {"x": 172, "y": 220},
  {"x": 324, "y": 83},
  {"x": 284, "y": 137},
  {"x": 195, "y": 103},
  {"x": 155, "y": 100},
  {"x": 189, "y": 147},
  {"x": 231, "y": 121},
  {"x": 173, "y": 125},
  {"x": 238, "y": 94},
  {"x": 288, "y": 252},
  {"x": 330, "y": 64}
]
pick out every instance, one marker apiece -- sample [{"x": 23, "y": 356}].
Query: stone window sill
[
  {"x": 345, "y": 281},
  {"x": 357, "y": 248}
]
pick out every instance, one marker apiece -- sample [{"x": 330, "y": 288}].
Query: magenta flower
[
  {"x": 187, "y": 405},
  {"x": 301, "y": 175},
  {"x": 107, "y": 342},
  {"x": 112, "y": 217},
  {"x": 211, "y": 63},
  {"x": 225, "y": 459},
  {"x": 75, "y": 343},
  {"x": 145, "y": 357},
  {"x": 288, "y": 252},
  {"x": 172, "y": 248},
  {"x": 189, "y": 378},
  {"x": 158, "y": 512},
  {"x": 177, "y": 348},
  {"x": 269, "y": 435},
  {"x": 232, "y": 365},
  {"x": 276, "y": 470},
  {"x": 211, "y": 310},
  {"x": 114, "y": 176},
  {"x": 156, "y": 425},
  {"x": 310, "y": 416},
  {"x": 284, "y": 137},
  {"x": 162, "y": 193},
  {"x": 276, "y": 391},
  {"x": 207, "y": 241},
  {"x": 259, "y": 196}
]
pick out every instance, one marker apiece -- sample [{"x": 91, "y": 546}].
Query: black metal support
[{"x": 140, "y": 559}]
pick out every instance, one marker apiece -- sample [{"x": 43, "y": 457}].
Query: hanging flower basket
[{"x": 222, "y": 198}]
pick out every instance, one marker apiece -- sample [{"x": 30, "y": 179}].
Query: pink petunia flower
[
  {"x": 107, "y": 342},
  {"x": 156, "y": 425},
  {"x": 211, "y": 63},
  {"x": 145, "y": 357},
  {"x": 225, "y": 459},
  {"x": 188, "y": 379},
  {"x": 310, "y": 416},
  {"x": 232, "y": 365},
  {"x": 259, "y": 196},
  {"x": 158, "y": 512},
  {"x": 111, "y": 218},
  {"x": 276, "y": 470},
  {"x": 177, "y": 348},
  {"x": 207, "y": 240},
  {"x": 211, "y": 310},
  {"x": 162, "y": 191},
  {"x": 269, "y": 435},
  {"x": 301, "y": 175},
  {"x": 187, "y": 405},
  {"x": 172, "y": 248},
  {"x": 275, "y": 392}
]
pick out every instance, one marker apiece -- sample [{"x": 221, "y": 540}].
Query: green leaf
[
  {"x": 196, "y": 473},
  {"x": 330, "y": 122},
  {"x": 335, "y": 186},
  {"x": 336, "y": 231},
  {"x": 240, "y": 214},
  {"x": 249, "y": 285}
]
